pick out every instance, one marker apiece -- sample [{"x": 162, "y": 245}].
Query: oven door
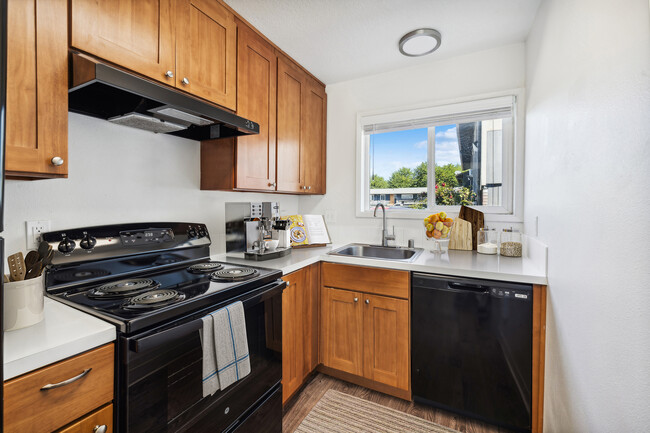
[{"x": 159, "y": 373}]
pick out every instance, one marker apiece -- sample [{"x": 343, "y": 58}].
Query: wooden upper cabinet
[
  {"x": 291, "y": 87},
  {"x": 206, "y": 51},
  {"x": 256, "y": 99},
  {"x": 37, "y": 90},
  {"x": 302, "y": 112},
  {"x": 312, "y": 163},
  {"x": 342, "y": 317},
  {"x": 386, "y": 340},
  {"x": 135, "y": 34}
]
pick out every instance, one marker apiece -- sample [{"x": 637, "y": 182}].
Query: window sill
[{"x": 452, "y": 211}]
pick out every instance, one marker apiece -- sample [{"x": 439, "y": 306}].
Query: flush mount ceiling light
[{"x": 419, "y": 42}]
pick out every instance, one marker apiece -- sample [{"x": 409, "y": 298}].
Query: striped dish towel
[{"x": 225, "y": 348}]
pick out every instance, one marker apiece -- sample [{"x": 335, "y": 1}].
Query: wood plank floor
[{"x": 299, "y": 406}]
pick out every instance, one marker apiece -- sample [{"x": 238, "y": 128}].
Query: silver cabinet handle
[
  {"x": 356, "y": 299},
  {"x": 288, "y": 284},
  {"x": 367, "y": 301},
  {"x": 169, "y": 74},
  {"x": 66, "y": 382},
  {"x": 185, "y": 81},
  {"x": 100, "y": 428},
  {"x": 309, "y": 187},
  {"x": 57, "y": 160}
]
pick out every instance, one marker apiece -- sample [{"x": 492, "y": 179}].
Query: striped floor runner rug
[{"x": 337, "y": 412}]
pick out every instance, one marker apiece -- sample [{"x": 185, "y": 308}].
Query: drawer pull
[
  {"x": 100, "y": 428},
  {"x": 66, "y": 382}
]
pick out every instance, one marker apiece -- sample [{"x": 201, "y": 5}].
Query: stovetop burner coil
[
  {"x": 123, "y": 288},
  {"x": 205, "y": 267},
  {"x": 154, "y": 299},
  {"x": 233, "y": 274}
]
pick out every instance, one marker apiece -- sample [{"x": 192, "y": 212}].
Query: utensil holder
[{"x": 23, "y": 303}]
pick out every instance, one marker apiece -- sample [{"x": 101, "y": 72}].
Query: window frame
[{"x": 513, "y": 156}]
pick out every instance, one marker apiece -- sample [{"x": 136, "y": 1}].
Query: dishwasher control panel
[{"x": 509, "y": 293}]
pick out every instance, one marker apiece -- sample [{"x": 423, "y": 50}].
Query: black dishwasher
[{"x": 471, "y": 348}]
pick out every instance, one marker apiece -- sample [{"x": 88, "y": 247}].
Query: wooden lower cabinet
[
  {"x": 292, "y": 342},
  {"x": 386, "y": 340},
  {"x": 47, "y": 399},
  {"x": 366, "y": 335},
  {"x": 299, "y": 328},
  {"x": 342, "y": 319},
  {"x": 365, "y": 326},
  {"x": 93, "y": 422}
]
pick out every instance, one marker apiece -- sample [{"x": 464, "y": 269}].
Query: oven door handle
[
  {"x": 152, "y": 341},
  {"x": 164, "y": 337}
]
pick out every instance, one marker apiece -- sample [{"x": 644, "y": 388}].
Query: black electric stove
[{"x": 154, "y": 282}]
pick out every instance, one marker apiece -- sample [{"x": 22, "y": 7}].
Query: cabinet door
[
  {"x": 291, "y": 83},
  {"x": 135, "y": 34},
  {"x": 312, "y": 152},
  {"x": 386, "y": 340},
  {"x": 310, "y": 314},
  {"x": 206, "y": 51},
  {"x": 256, "y": 96},
  {"x": 292, "y": 333},
  {"x": 342, "y": 317},
  {"x": 91, "y": 422},
  {"x": 37, "y": 90}
]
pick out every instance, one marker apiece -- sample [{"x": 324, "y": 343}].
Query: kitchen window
[{"x": 441, "y": 157}]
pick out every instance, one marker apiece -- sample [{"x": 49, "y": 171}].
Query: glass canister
[
  {"x": 510, "y": 244},
  {"x": 487, "y": 242}
]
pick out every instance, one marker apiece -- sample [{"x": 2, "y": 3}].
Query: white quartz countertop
[
  {"x": 64, "y": 332},
  {"x": 471, "y": 264}
]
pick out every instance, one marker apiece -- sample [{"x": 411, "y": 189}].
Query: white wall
[
  {"x": 473, "y": 74},
  {"x": 587, "y": 178},
  {"x": 119, "y": 174}
]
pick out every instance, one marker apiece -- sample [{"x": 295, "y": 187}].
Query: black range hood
[{"x": 103, "y": 91}]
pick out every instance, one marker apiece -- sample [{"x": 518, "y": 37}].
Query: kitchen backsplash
[{"x": 120, "y": 174}]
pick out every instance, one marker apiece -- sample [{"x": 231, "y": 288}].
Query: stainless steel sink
[{"x": 378, "y": 252}]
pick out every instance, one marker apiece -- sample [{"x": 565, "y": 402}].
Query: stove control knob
[
  {"x": 191, "y": 233},
  {"x": 87, "y": 242},
  {"x": 202, "y": 232},
  {"x": 66, "y": 245}
]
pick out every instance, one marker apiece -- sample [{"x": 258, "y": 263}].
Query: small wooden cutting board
[
  {"x": 475, "y": 217},
  {"x": 460, "y": 237}
]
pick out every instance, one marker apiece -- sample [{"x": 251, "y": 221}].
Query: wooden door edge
[{"x": 539, "y": 351}]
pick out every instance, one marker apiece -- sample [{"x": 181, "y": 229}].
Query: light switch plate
[
  {"x": 330, "y": 216},
  {"x": 33, "y": 230}
]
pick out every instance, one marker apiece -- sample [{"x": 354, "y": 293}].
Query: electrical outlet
[{"x": 33, "y": 231}]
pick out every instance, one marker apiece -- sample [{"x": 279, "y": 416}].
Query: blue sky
[{"x": 393, "y": 150}]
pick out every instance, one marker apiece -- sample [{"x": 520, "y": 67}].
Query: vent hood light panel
[
  {"x": 148, "y": 123},
  {"x": 110, "y": 93},
  {"x": 181, "y": 115}
]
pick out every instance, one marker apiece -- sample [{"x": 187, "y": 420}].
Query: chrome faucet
[{"x": 385, "y": 237}]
